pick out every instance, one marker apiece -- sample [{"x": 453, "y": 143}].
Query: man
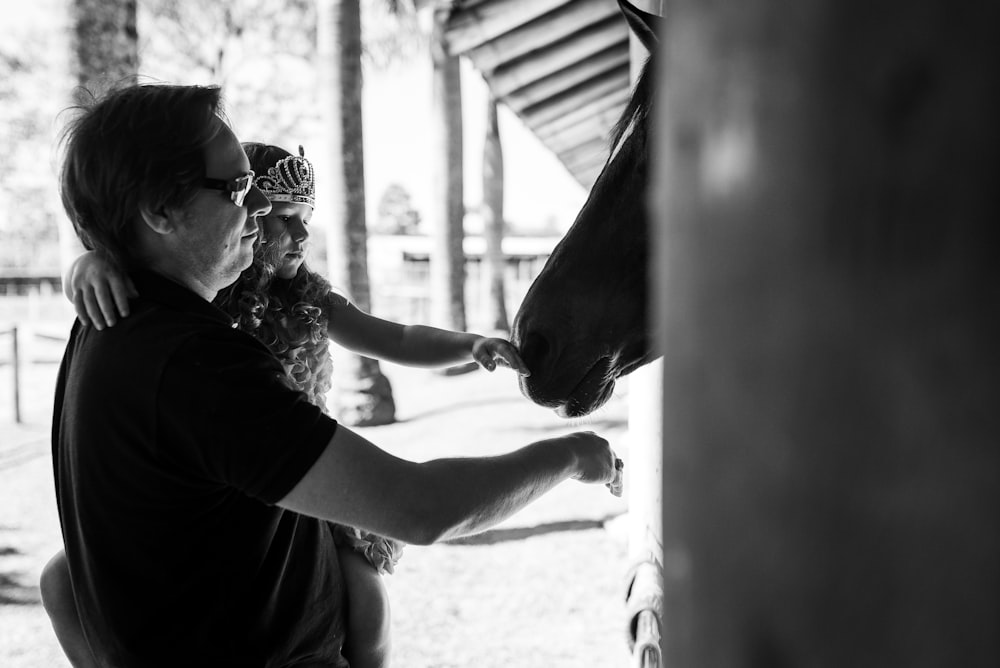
[{"x": 192, "y": 484}]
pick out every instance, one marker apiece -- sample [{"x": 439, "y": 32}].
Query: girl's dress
[{"x": 298, "y": 337}]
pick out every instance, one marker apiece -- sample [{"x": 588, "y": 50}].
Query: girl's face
[{"x": 287, "y": 226}]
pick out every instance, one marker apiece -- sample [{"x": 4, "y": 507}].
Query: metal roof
[{"x": 561, "y": 65}]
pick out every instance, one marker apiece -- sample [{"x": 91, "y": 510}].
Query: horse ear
[{"x": 642, "y": 24}]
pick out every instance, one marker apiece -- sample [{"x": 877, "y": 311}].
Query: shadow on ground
[
  {"x": 595, "y": 425},
  {"x": 14, "y": 587},
  {"x": 584, "y": 424},
  {"x": 519, "y": 533},
  {"x": 456, "y": 406}
]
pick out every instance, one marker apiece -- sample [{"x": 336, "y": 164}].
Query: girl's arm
[
  {"x": 99, "y": 292},
  {"x": 417, "y": 345}
]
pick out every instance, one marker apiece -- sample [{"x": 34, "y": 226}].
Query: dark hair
[
  {"x": 263, "y": 156},
  {"x": 139, "y": 146}
]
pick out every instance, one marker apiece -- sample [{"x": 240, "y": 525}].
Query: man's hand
[
  {"x": 596, "y": 462},
  {"x": 98, "y": 291},
  {"x": 617, "y": 486},
  {"x": 488, "y": 352}
]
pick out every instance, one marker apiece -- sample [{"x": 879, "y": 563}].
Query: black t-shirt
[{"x": 173, "y": 436}]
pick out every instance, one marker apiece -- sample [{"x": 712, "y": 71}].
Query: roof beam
[
  {"x": 565, "y": 53},
  {"x": 558, "y": 24},
  {"x": 588, "y": 150},
  {"x": 586, "y": 173},
  {"x": 565, "y": 79},
  {"x": 606, "y": 111},
  {"x": 578, "y": 134},
  {"x": 485, "y": 21},
  {"x": 600, "y": 87}
]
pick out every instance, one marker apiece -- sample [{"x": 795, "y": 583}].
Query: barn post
[
  {"x": 827, "y": 257},
  {"x": 644, "y": 589}
]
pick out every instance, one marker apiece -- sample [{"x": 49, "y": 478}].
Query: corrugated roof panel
[{"x": 561, "y": 66}]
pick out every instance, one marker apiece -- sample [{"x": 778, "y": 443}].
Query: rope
[{"x": 644, "y": 606}]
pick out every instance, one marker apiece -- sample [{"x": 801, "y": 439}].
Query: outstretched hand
[
  {"x": 99, "y": 292},
  {"x": 490, "y": 351},
  {"x": 596, "y": 462}
]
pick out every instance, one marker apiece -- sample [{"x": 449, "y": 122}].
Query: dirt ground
[{"x": 545, "y": 589}]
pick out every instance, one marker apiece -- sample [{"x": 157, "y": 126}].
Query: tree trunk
[
  {"x": 105, "y": 44},
  {"x": 447, "y": 279},
  {"x": 106, "y": 54},
  {"x": 363, "y": 396},
  {"x": 493, "y": 222},
  {"x": 829, "y": 212}
]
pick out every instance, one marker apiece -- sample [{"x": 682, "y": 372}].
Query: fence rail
[
  {"x": 15, "y": 360},
  {"x": 14, "y": 355}
]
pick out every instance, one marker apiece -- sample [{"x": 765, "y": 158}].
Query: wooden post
[
  {"x": 643, "y": 476},
  {"x": 16, "y": 370},
  {"x": 447, "y": 264},
  {"x": 363, "y": 394},
  {"x": 828, "y": 208},
  {"x": 105, "y": 47},
  {"x": 494, "y": 265}
]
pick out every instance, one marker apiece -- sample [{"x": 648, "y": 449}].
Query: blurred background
[
  {"x": 457, "y": 173},
  {"x": 264, "y": 55}
]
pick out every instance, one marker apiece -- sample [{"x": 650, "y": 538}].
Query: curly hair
[{"x": 288, "y": 316}]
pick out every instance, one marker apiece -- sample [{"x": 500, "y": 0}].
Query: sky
[
  {"x": 538, "y": 190},
  {"x": 540, "y": 195}
]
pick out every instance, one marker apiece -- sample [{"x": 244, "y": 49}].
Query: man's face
[{"x": 215, "y": 237}]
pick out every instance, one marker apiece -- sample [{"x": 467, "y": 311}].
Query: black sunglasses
[{"x": 237, "y": 188}]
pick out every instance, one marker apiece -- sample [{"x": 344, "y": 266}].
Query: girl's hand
[
  {"x": 488, "y": 352},
  {"x": 99, "y": 292}
]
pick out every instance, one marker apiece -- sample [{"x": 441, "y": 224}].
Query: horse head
[{"x": 583, "y": 322}]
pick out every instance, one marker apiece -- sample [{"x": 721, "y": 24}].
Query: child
[{"x": 293, "y": 311}]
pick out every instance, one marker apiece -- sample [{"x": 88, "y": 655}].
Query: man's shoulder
[
  {"x": 154, "y": 333},
  {"x": 153, "y": 318},
  {"x": 193, "y": 336}
]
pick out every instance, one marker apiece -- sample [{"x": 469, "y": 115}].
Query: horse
[{"x": 583, "y": 321}]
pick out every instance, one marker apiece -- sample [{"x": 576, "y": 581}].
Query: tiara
[{"x": 290, "y": 180}]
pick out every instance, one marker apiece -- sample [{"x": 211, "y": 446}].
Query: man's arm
[{"x": 357, "y": 484}]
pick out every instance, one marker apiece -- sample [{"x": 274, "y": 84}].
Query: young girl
[{"x": 293, "y": 311}]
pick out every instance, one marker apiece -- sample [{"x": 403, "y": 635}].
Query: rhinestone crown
[{"x": 290, "y": 180}]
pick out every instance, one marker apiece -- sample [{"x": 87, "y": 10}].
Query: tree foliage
[
  {"x": 104, "y": 45},
  {"x": 396, "y": 214},
  {"x": 391, "y": 32},
  {"x": 34, "y": 88},
  {"x": 363, "y": 393},
  {"x": 261, "y": 51}
]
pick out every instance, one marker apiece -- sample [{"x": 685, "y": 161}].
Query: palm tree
[
  {"x": 105, "y": 54},
  {"x": 105, "y": 44},
  {"x": 493, "y": 222},
  {"x": 395, "y": 34},
  {"x": 363, "y": 394},
  {"x": 448, "y": 255}
]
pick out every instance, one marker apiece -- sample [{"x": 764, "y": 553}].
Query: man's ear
[{"x": 157, "y": 220}]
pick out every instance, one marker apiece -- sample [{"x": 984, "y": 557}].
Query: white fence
[{"x": 35, "y": 318}]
